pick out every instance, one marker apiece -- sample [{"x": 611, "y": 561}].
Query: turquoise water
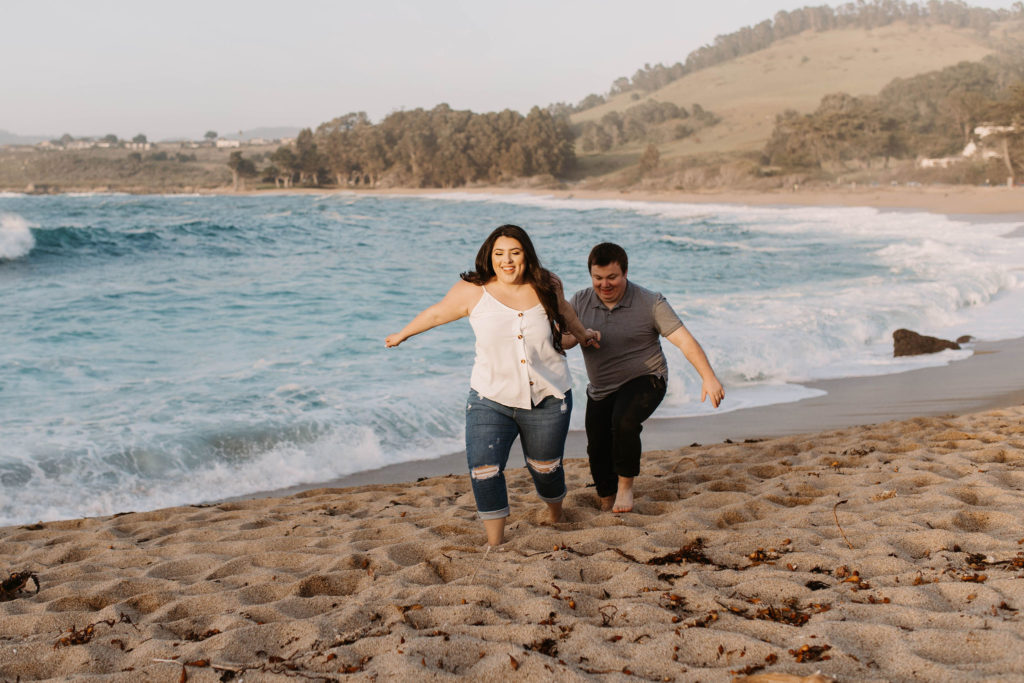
[{"x": 159, "y": 350}]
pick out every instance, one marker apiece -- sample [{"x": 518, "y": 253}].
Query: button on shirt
[
  {"x": 631, "y": 334},
  {"x": 516, "y": 364}
]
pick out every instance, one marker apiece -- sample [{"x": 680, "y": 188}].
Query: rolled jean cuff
[
  {"x": 559, "y": 499},
  {"x": 494, "y": 514}
]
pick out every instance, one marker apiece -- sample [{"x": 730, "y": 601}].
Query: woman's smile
[{"x": 508, "y": 260}]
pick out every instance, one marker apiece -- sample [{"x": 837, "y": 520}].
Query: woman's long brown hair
[{"x": 543, "y": 281}]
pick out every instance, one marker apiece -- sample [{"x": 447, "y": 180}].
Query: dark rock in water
[
  {"x": 964, "y": 339},
  {"x": 908, "y": 343}
]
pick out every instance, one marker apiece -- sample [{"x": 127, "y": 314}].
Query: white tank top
[{"x": 516, "y": 363}]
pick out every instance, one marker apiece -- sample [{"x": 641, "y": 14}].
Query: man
[{"x": 628, "y": 372}]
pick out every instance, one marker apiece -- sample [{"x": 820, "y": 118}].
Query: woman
[{"x": 520, "y": 384}]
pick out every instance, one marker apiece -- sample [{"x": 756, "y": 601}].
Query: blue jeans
[{"x": 491, "y": 428}]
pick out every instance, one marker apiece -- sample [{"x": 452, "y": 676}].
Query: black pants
[{"x": 613, "y": 430}]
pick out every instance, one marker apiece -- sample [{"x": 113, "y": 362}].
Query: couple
[{"x": 520, "y": 385}]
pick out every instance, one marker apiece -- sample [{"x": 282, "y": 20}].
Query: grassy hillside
[{"x": 748, "y": 92}]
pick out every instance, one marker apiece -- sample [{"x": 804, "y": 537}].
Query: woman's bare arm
[{"x": 456, "y": 304}]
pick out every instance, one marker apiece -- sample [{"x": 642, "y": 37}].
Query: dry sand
[{"x": 883, "y": 553}]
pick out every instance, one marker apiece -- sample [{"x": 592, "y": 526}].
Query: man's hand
[
  {"x": 712, "y": 388},
  {"x": 593, "y": 338}
]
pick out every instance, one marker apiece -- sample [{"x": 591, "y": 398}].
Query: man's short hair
[{"x": 607, "y": 253}]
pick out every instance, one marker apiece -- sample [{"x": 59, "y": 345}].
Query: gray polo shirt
[{"x": 631, "y": 334}]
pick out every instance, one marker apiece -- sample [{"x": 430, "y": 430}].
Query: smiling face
[
  {"x": 609, "y": 282},
  {"x": 508, "y": 260}
]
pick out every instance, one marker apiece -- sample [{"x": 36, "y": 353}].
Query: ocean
[{"x": 166, "y": 350}]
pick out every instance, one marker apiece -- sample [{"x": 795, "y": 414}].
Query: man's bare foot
[
  {"x": 606, "y": 502},
  {"x": 624, "y": 495},
  {"x": 623, "y": 501}
]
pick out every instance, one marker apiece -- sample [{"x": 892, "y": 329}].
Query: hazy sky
[{"x": 179, "y": 68}]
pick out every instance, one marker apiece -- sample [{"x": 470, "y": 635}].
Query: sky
[{"x": 178, "y": 69}]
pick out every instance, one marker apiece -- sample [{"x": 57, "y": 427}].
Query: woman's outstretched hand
[
  {"x": 593, "y": 338},
  {"x": 393, "y": 340}
]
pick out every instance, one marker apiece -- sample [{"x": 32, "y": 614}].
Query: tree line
[
  {"x": 929, "y": 115},
  {"x": 750, "y": 39},
  {"x": 440, "y": 147},
  {"x": 650, "y": 121}
]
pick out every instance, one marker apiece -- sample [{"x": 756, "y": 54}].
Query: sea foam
[{"x": 15, "y": 236}]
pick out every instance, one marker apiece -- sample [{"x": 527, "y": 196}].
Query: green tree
[
  {"x": 595, "y": 138},
  {"x": 110, "y": 139},
  {"x": 139, "y": 139},
  {"x": 241, "y": 168},
  {"x": 210, "y": 135},
  {"x": 1008, "y": 114},
  {"x": 309, "y": 161},
  {"x": 286, "y": 164},
  {"x": 340, "y": 157},
  {"x": 649, "y": 159}
]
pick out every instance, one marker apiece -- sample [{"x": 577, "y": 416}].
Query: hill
[{"x": 748, "y": 92}]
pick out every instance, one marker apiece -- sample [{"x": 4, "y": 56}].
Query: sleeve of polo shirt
[{"x": 665, "y": 319}]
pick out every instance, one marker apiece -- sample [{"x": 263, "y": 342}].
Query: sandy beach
[
  {"x": 1004, "y": 203},
  {"x": 874, "y": 533},
  {"x": 889, "y": 551},
  {"x": 883, "y": 553}
]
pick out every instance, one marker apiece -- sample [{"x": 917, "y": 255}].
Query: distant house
[
  {"x": 940, "y": 162},
  {"x": 139, "y": 146},
  {"x": 977, "y": 148},
  {"x": 973, "y": 149},
  {"x": 222, "y": 143},
  {"x": 984, "y": 131}
]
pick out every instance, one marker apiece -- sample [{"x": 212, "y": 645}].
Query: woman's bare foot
[
  {"x": 495, "y": 530},
  {"x": 624, "y": 496},
  {"x": 555, "y": 513},
  {"x": 606, "y": 503}
]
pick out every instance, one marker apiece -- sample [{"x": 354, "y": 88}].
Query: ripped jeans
[{"x": 491, "y": 428}]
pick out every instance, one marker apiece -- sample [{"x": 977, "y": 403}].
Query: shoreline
[
  {"x": 953, "y": 200},
  {"x": 992, "y": 377},
  {"x": 968, "y": 203}
]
